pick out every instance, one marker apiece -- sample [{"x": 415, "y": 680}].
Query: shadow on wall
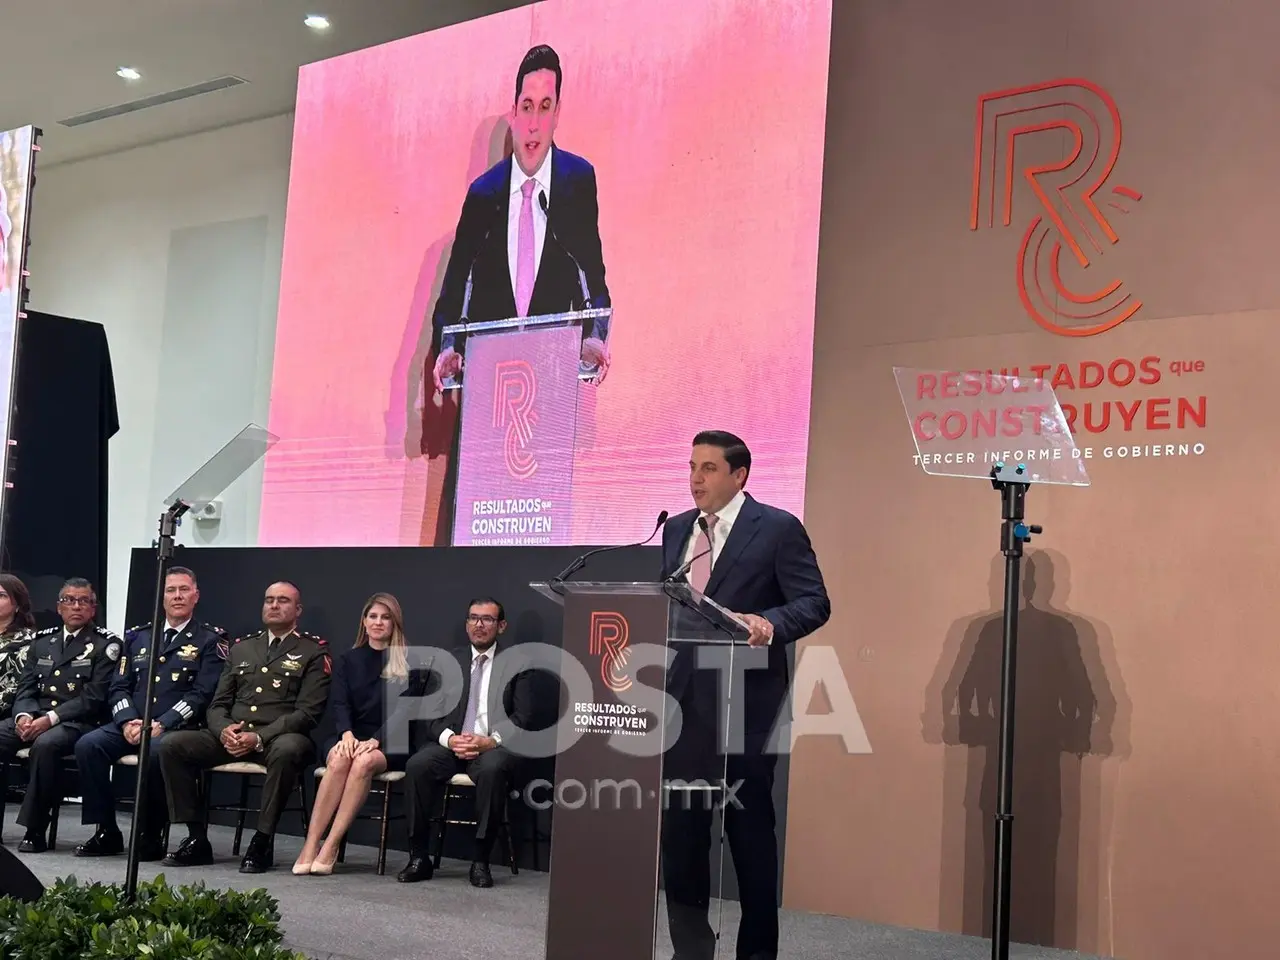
[
  {"x": 1071, "y": 716},
  {"x": 420, "y": 424}
]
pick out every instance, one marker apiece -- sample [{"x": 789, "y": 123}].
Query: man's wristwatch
[{"x": 259, "y": 746}]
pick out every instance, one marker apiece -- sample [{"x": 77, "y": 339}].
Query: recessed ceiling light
[
  {"x": 317, "y": 22},
  {"x": 128, "y": 73}
]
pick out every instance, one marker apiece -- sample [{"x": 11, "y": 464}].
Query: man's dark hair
[
  {"x": 479, "y": 601},
  {"x": 287, "y": 583},
  {"x": 541, "y": 57},
  {"x": 735, "y": 449},
  {"x": 80, "y": 583},
  {"x": 181, "y": 572}
]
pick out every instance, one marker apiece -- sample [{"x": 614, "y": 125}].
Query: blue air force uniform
[
  {"x": 66, "y": 680},
  {"x": 188, "y": 664}
]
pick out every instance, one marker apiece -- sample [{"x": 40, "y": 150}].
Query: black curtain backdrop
[
  {"x": 433, "y": 585},
  {"x": 65, "y": 412}
]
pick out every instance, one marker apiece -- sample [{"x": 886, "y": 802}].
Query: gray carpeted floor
[{"x": 357, "y": 915}]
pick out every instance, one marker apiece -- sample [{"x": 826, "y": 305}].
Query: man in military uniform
[
  {"x": 271, "y": 695},
  {"x": 188, "y": 665},
  {"x": 63, "y": 695}
]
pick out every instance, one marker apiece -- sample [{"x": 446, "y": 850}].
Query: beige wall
[{"x": 1148, "y": 772}]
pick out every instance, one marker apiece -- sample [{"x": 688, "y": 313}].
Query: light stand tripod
[
  {"x": 1012, "y": 482},
  {"x": 164, "y": 553}
]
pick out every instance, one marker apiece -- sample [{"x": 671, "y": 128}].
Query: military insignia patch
[
  {"x": 189, "y": 652},
  {"x": 112, "y": 652}
]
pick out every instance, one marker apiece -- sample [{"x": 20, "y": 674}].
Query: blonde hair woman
[{"x": 363, "y": 677}]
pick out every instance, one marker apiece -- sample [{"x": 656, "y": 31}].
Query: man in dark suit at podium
[
  {"x": 757, "y": 561},
  {"x": 529, "y": 233}
]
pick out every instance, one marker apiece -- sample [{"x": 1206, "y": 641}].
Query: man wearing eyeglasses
[
  {"x": 62, "y": 696},
  {"x": 470, "y": 739}
]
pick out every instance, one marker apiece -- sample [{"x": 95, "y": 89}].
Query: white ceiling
[{"x": 60, "y": 59}]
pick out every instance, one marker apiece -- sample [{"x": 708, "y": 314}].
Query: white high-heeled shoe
[{"x": 319, "y": 869}]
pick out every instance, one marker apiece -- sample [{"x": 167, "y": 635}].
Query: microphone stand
[
  {"x": 1012, "y": 483},
  {"x": 581, "y": 561},
  {"x": 164, "y": 553}
]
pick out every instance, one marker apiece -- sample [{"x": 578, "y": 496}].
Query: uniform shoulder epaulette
[
  {"x": 114, "y": 648},
  {"x": 218, "y": 630},
  {"x": 132, "y": 632},
  {"x": 48, "y": 631},
  {"x": 319, "y": 641}
]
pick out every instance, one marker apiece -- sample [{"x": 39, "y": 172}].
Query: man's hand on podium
[
  {"x": 596, "y": 353},
  {"x": 761, "y": 630},
  {"x": 448, "y": 364}
]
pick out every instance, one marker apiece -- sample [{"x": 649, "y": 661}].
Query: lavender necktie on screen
[
  {"x": 700, "y": 572},
  {"x": 524, "y": 251},
  {"x": 473, "y": 698}
]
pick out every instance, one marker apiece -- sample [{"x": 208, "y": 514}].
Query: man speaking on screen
[{"x": 529, "y": 233}]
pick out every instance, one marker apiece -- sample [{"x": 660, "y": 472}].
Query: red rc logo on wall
[{"x": 1071, "y": 188}]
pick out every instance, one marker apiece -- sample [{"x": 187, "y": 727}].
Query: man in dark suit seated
[
  {"x": 470, "y": 739},
  {"x": 757, "y": 561},
  {"x": 528, "y": 238}
]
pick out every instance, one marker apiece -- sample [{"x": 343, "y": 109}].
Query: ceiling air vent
[{"x": 208, "y": 86}]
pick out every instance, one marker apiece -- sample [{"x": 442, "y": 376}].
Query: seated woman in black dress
[{"x": 364, "y": 677}]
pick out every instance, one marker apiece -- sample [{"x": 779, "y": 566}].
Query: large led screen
[
  {"x": 17, "y": 151},
  {"x": 659, "y": 163}
]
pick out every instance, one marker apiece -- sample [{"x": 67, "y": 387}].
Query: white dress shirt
[
  {"x": 482, "y": 708},
  {"x": 719, "y": 533},
  {"x": 518, "y": 177},
  {"x": 178, "y": 629}
]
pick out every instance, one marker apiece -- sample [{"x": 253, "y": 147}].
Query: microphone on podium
[
  {"x": 582, "y": 276},
  {"x": 684, "y": 568},
  {"x": 581, "y": 562}
]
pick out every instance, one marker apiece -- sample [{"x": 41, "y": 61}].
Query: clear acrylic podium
[
  {"x": 643, "y": 646},
  {"x": 519, "y": 425},
  {"x": 204, "y": 486},
  {"x": 1009, "y": 430}
]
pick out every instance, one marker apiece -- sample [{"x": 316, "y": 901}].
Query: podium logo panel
[
  {"x": 515, "y": 387},
  {"x": 516, "y": 449},
  {"x": 610, "y": 641},
  {"x": 1084, "y": 120}
]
